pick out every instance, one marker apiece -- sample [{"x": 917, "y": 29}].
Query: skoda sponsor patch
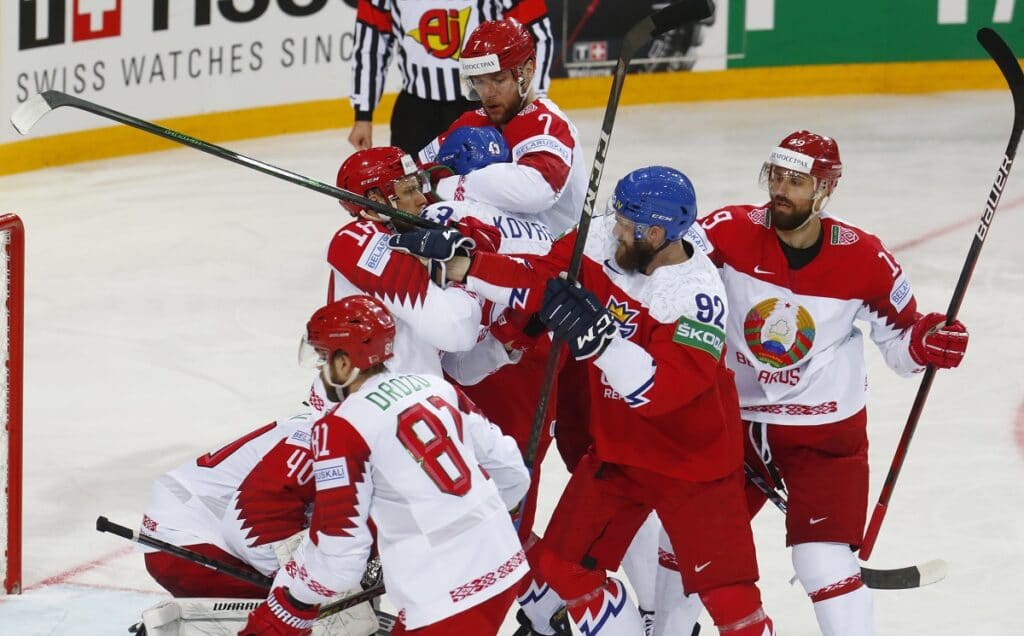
[
  {"x": 331, "y": 473},
  {"x": 699, "y": 335}
]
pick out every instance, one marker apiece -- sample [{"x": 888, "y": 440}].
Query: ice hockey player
[
  {"x": 546, "y": 177},
  {"x": 664, "y": 414},
  {"x": 798, "y": 279},
  {"x": 439, "y": 478}
]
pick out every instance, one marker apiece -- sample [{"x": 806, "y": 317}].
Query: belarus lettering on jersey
[
  {"x": 243, "y": 498},
  {"x": 546, "y": 178},
  {"x": 439, "y": 479},
  {"x": 428, "y": 319},
  {"x": 796, "y": 352},
  {"x": 663, "y": 369}
]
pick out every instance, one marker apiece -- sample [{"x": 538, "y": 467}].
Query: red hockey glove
[
  {"x": 486, "y": 236},
  {"x": 280, "y": 615},
  {"x": 934, "y": 342},
  {"x": 517, "y": 330}
]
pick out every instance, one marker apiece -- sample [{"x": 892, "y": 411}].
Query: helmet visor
[
  {"x": 794, "y": 184},
  {"x": 309, "y": 356}
]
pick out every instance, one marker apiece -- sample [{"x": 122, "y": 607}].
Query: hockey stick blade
[
  {"x": 905, "y": 578},
  {"x": 671, "y": 17},
  {"x": 1004, "y": 58},
  {"x": 29, "y": 113},
  {"x": 35, "y": 108}
]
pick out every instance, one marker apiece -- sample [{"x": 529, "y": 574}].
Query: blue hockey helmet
[
  {"x": 656, "y": 195},
  {"x": 470, "y": 148}
]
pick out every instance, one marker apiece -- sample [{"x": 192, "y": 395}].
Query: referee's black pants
[{"x": 416, "y": 121}]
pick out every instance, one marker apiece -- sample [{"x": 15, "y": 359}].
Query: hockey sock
[
  {"x": 736, "y": 610},
  {"x": 607, "y": 611},
  {"x": 640, "y": 562},
  {"x": 831, "y": 577},
  {"x": 539, "y": 603}
]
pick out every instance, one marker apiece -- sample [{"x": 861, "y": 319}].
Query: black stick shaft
[
  {"x": 56, "y": 99},
  {"x": 249, "y": 576},
  {"x": 669, "y": 18},
  {"x": 1011, "y": 70}
]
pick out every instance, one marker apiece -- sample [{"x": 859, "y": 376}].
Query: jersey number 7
[{"x": 424, "y": 435}]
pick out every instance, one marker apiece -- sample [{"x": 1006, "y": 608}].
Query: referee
[{"x": 428, "y": 36}]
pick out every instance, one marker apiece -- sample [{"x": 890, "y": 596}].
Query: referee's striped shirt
[{"x": 429, "y": 35}]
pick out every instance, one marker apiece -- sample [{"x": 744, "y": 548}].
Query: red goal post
[{"x": 12, "y": 322}]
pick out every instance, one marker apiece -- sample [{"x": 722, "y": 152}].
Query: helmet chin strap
[{"x": 340, "y": 387}]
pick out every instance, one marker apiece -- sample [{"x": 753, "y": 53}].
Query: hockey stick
[
  {"x": 249, "y": 576},
  {"x": 895, "y": 579},
  {"x": 669, "y": 18},
  {"x": 26, "y": 116},
  {"x": 1001, "y": 54}
]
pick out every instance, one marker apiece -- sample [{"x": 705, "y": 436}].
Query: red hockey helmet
[
  {"x": 358, "y": 325},
  {"x": 498, "y": 45},
  {"x": 807, "y": 153},
  {"x": 377, "y": 168}
]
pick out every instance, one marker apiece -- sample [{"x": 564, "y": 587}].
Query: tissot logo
[{"x": 44, "y": 22}]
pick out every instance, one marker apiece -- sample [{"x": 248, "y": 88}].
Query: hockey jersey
[
  {"x": 661, "y": 397},
  {"x": 439, "y": 479},
  {"x": 546, "y": 178},
  {"x": 246, "y": 496},
  {"x": 796, "y": 352},
  {"x": 428, "y": 319}
]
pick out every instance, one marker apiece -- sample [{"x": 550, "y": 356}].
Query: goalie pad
[{"x": 227, "y": 616}]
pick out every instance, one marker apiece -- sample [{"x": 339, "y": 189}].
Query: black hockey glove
[
  {"x": 574, "y": 314},
  {"x": 434, "y": 245}
]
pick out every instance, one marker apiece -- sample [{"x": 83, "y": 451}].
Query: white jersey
[
  {"x": 439, "y": 479},
  {"x": 547, "y": 177},
  {"x": 245, "y": 497},
  {"x": 793, "y": 343},
  {"x": 520, "y": 234},
  {"x": 428, "y": 319}
]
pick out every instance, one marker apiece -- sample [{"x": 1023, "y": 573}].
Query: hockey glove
[
  {"x": 517, "y": 330},
  {"x": 934, "y": 342},
  {"x": 280, "y": 615},
  {"x": 434, "y": 245},
  {"x": 485, "y": 237},
  {"x": 575, "y": 315}
]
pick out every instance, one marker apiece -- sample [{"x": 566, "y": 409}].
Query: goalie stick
[
  {"x": 36, "y": 107},
  {"x": 249, "y": 576},
  {"x": 1001, "y": 54},
  {"x": 895, "y": 579},
  {"x": 671, "y": 17}
]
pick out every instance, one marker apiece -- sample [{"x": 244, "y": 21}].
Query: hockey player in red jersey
[
  {"x": 650, "y": 325},
  {"x": 546, "y": 177},
  {"x": 438, "y": 476},
  {"x": 430, "y": 318},
  {"x": 798, "y": 279}
]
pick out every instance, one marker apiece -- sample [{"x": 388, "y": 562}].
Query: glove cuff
[{"x": 290, "y": 611}]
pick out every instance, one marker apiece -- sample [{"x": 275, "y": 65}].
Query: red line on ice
[
  {"x": 71, "y": 573},
  {"x": 946, "y": 229}
]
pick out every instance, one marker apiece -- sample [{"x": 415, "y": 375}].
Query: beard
[
  {"x": 635, "y": 257},
  {"x": 790, "y": 218}
]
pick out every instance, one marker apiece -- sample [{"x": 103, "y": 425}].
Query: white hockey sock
[
  {"x": 830, "y": 575},
  {"x": 540, "y": 603},
  {"x": 607, "y": 611},
  {"x": 640, "y": 562},
  {"x": 674, "y": 611}
]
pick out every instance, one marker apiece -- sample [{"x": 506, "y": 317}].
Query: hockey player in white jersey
[
  {"x": 798, "y": 279},
  {"x": 547, "y": 175},
  {"x": 430, "y": 318},
  {"x": 241, "y": 505},
  {"x": 438, "y": 477}
]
